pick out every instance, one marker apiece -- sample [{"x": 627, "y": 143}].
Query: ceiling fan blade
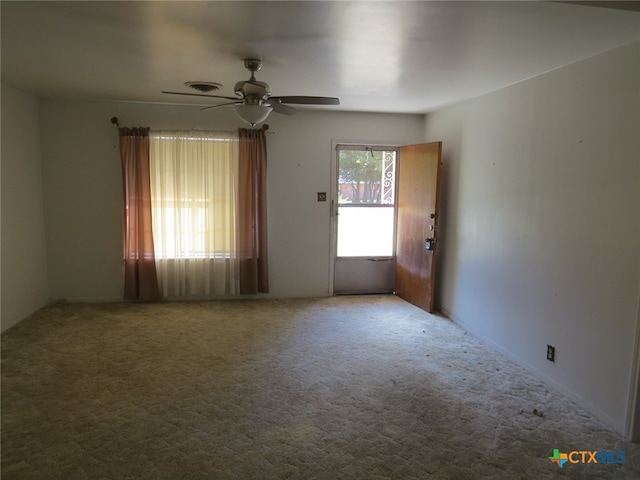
[
  {"x": 221, "y": 105},
  {"x": 304, "y": 100},
  {"x": 200, "y": 95},
  {"x": 282, "y": 108}
]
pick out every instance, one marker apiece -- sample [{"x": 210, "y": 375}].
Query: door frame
[{"x": 333, "y": 197}]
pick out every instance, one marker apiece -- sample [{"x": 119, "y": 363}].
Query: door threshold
[{"x": 356, "y": 292}]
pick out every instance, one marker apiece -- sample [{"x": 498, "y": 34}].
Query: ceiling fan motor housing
[{"x": 252, "y": 90}]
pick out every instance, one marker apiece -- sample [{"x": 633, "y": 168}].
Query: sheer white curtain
[{"x": 194, "y": 209}]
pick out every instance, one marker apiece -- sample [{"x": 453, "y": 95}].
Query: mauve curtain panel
[
  {"x": 140, "y": 279},
  {"x": 252, "y": 211}
]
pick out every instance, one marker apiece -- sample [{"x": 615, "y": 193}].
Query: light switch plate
[{"x": 322, "y": 196}]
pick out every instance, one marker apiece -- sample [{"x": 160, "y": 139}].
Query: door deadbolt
[{"x": 429, "y": 243}]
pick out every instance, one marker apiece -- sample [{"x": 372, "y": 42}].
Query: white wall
[
  {"x": 541, "y": 224},
  {"x": 83, "y": 188},
  {"x": 24, "y": 268}
]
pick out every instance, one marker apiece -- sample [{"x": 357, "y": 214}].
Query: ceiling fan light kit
[
  {"x": 253, "y": 102},
  {"x": 252, "y": 114}
]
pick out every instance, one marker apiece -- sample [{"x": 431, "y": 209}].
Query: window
[{"x": 193, "y": 185}]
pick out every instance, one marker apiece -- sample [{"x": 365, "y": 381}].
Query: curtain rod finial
[{"x": 115, "y": 121}]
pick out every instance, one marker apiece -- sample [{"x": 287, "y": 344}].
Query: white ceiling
[{"x": 395, "y": 56}]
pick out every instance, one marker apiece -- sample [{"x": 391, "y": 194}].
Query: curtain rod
[{"x": 265, "y": 127}]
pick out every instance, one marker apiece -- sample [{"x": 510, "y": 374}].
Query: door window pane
[
  {"x": 365, "y": 231},
  {"x": 366, "y": 177}
]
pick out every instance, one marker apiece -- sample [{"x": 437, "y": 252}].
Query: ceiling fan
[{"x": 253, "y": 101}]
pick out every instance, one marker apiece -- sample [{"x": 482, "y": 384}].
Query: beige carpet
[{"x": 334, "y": 388}]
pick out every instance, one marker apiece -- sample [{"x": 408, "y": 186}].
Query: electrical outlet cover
[{"x": 551, "y": 353}]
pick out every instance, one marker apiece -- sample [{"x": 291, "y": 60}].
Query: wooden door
[{"x": 417, "y": 227}]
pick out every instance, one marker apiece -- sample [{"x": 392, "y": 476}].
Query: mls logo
[{"x": 586, "y": 456}]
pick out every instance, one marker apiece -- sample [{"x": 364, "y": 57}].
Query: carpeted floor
[{"x": 334, "y": 388}]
